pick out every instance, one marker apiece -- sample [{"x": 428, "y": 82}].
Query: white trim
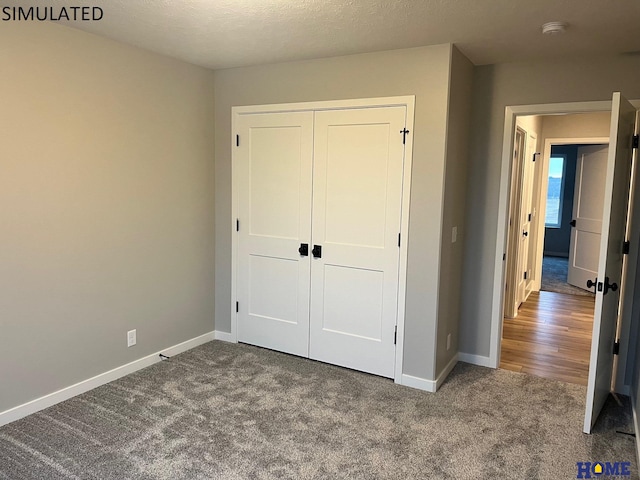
[
  {"x": 447, "y": 370},
  {"x": 404, "y": 236},
  {"x": 235, "y": 214},
  {"x": 419, "y": 383},
  {"x": 626, "y": 358},
  {"x": 325, "y": 105},
  {"x": 429, "y": 385},
  {"x": 511, "y": 113},
  {"x": 66, "y": 393},
  {"x": 407, "y": 101},
  {"x": 479, "y": 360},
  {"x": 224, "y": 336}
]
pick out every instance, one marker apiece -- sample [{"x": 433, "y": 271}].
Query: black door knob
[
  {"x": 317, "y": 251},
  {"x": 304, "y": 249},
  {"x": 609, "y": 286}
]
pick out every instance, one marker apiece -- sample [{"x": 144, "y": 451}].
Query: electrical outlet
[
  {"x": 448, "y": 341},
  {"x": 131, "y": 338},
  {"x": 454, "y": 234}
]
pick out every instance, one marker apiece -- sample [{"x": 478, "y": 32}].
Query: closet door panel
[
  {"x": 274, "y": 158},
  {"x": 357, "y": 193}
]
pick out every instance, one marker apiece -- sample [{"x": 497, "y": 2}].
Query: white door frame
[
  {"x": 511, "y": 113},
  {"x": 542, "y": 200},
  {"x": 407, "y": 101}
]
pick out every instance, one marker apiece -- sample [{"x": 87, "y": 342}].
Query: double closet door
[{"x": 319, "y": 211}]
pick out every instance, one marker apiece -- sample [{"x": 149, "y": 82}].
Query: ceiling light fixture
[{"x": 553, "y": 28}]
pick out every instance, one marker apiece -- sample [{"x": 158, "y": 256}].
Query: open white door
[
  {"x": 526, "y": 217},
  {"x": 532, "y": 145},
  {"x": 607, "y": 309},
  {"x": 588, "y": 204},
  {"x": 515, "y": 284}
]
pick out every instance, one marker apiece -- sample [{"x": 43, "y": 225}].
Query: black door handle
[
  {"x": 317, "y": 251},
  {"x": 304, "y": 249},
  {"x": 572, "y": 223},
  {"x": 609, "y": 286},
  {"x": 592, "y": 284}
]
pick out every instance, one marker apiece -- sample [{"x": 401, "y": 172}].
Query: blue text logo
[{"x": 603, "y": 469}]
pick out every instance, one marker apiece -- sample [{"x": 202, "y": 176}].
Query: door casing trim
[
  {"x": 511, "y": 114},
  {"x": 407, "y": 101}
]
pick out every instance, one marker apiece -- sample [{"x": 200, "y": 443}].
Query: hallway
[{"x": 551, "y": 337}]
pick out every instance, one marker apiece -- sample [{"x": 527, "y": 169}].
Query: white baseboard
[
  {"x": 429, "y": 385},
  {"x": 479, "y": 360},
  {"x": 419, "y": 383},
  {"x": 66, "y": 393},
  {"x": 447, "y": 370},
  {"x": 224, "y": 336}
]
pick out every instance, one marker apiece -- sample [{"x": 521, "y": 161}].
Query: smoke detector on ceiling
[{"x": 554, "y": 28}]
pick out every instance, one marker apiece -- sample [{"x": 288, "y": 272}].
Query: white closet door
[
  {"x": 274, "y": 156},
  {"x": 357, "y": 190}
]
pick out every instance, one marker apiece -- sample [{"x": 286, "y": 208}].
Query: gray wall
[
  {"x": 454, "y": 208},
  {"x": 556, "y": 240},
  {"x": 495, "y": 87},
  {"x": 423, "y": 72},
  {"x": 106, "y": 206}
]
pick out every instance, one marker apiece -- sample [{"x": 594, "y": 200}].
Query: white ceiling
[{"x": 228, "y": 33}]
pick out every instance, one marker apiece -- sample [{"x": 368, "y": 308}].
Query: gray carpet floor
[
  {"x": 224, "y": 411},
  {"x": 554, "y": 277}
]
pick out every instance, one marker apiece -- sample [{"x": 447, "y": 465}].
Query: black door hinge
[
  {"x": 616, "y": 348},
  {"x": 237, "y": 224},
  {"x": 404, "y": 132},
  {"x": 237, "y": 140},
  {"x": 635, "y": 141},
  {"x": 529, "y": 217},
  {"x": 625, "y": 248},
  {"x": 504, "y": 257},
  {"x": 237, "y": 307},
  {"x": 535, "y": 155},
  {"x": 525, "y": 275},
  {"x": 398, "y": 239},
  {"x": 395, "y": 335}
]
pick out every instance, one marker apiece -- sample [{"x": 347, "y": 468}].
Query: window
[{"x": 553, "y": 215}]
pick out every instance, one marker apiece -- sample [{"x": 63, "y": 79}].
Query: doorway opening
[
  {"x": 557, "y": 187},
  {"x": 618, "y": 255}
]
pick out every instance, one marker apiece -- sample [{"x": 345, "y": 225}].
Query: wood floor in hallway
[{"x": 551, "y": 337}]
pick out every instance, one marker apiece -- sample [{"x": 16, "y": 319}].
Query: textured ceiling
[{"x": 228, "y": 33}]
